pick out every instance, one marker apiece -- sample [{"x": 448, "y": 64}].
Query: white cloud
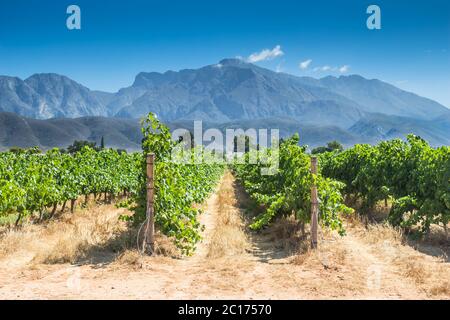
[
  {"x": 266, "y": 54},
  {"x": 305, "y": 64},
  {"x": 344, "y": 69}
]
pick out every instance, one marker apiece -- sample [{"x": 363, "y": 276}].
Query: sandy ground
[{"x": 356, "y": 266}]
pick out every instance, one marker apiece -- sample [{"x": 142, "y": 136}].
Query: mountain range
[{"x": 351, "y": 109}]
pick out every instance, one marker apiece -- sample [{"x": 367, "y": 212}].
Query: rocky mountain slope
[{"x": 351, "y": 108}]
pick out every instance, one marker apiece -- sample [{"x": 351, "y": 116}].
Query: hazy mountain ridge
[
  {"x": 229, "y": 90},
  {"x": 353, "y": 108},
  {"x": 375, "y": 96},
  {"x": 48, "y": 95},
  {"x": 377, "y": 127},
  {"x": 126, "y": 134},
  {"x": 17, "y": 131},
  {"x": 234, "y": 90}
]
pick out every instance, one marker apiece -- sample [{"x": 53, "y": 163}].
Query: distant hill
[
  {"x": 350, "y": 108},
  {"x": 44, "y": 96},
  {"x": 17, "y": 131},
  {"x": 235, "y": 90},
  {"x": 311, "y": 135},
  {"x": 229, "y": 90},
  {"x": 375, "y": 96},
  {"x": 377, "y": 127},
  {"x": 126, "y": 134}
]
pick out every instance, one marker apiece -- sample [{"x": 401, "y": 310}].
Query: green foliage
[
  {"x": 331, "y": 146},
  {"x": 335, "y": 145},
  {"x": 320, "y": 150},
  {"x": 30, "y": 181},
  {"x": 177, "y": 187},
  {"x": 414, "y": 175},
  {"x": 16, "y": 150},
  {"x": 78, "y": 145},
  {"x": 288, "y": 191}
]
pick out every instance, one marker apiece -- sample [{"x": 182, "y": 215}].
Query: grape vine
[
  {"x": 415, "y": 176},
  {"x": 31, "y": 182},
  {"x": 288, "y": 191}
]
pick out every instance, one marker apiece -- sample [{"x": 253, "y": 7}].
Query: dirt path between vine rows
[{"x": 233, "y": 263}]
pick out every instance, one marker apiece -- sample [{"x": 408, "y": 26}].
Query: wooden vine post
[
  {"x": 314, "y": 206},
  {"x": 149, "y": 238}
]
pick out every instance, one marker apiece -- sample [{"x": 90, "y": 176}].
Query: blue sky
[{"x": 118, "y": 39}]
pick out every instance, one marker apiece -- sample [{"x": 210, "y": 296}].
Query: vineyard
[
  {"x": 31, "y": 182},
  {"x": 288, "y": 191},
  {"x": 411, "y": 175},
  {"x": 224, "y": 232}
]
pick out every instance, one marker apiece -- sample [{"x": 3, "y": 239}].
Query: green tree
[
  {"x": 331, "y": 146},
  {"x": 78, "y": 145},
  {"x": 335, "y": 145},
  {"x": 320, "y": 150},
  {"x": 16, "y": 150}
]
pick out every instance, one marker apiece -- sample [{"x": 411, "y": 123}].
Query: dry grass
[
  {"x": 130, "y": 258},
  {"x": 438, "y": 236},
  {"x": 165, "y": 246},
  {"x": 330, "y": 255},
  {"x": 338, "y": 268},
  {"x": 91, "y": 234},
  {"x": 430, "y": 274},
  {"x": 66, "y": 240},
  {"x": 76, "y": 234},
  {"x": 286, "y": 234},
  {"x": 228, "y": 237},
  {"x": 332, "y": 268},
  {"x": 441, "y": 290},
  {"x": 379, "y": 244},
  {"x": 11, "y": 241},
  {"x": 17, "y": 245},
  {"x": 415, "y": 270},
  {"x": 382, "y": 233}
]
